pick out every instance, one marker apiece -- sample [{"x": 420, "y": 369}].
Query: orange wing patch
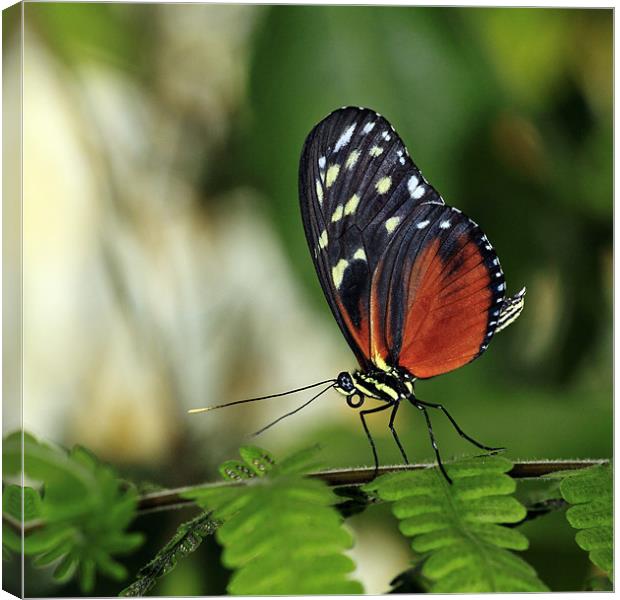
[{"x": 448, "y": 310}]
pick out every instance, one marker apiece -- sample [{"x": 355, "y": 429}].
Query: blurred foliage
[
  {"x": 186, "y": 540},
  {"x": 283, "y": 532},
  {"x": 508, "y": 112},
  {"x": 81, "y": 504}
]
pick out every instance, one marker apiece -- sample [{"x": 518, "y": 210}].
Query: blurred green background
[{"x": 165, "y": 265}]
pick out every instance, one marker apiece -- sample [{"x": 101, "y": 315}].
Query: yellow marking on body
[
  {"x": 352, "y": 159},
  {"x": 332, "y": 173},
  {"x": 337, "y": 215},
  {"x": 351, "y": 205},
  {"x": 390, "y": 391},
  {"x": 384, "y": 184},
  {"x": 359, "y": 254},
  {"x": 338, "y": 271},
  {"x": 319, "y": 191},
  {"x": 377, "y": 359},
  {"x": 360, "y": 388},
  {"x": 376, "y": 151},
  {"x": 392, "y": 223},
  {"x": 323, "y": 239},
  {"x": 382, "y": 387}
]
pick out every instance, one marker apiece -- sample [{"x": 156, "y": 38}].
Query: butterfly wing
[{"x": 411, "y": 282}]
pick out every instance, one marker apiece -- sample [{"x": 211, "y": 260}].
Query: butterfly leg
[
  {"x": 394, "y": 434},
  {"x": 421, "y": 407},
  {"x": 363, "y": 414},
  {"x": 442, "y": 408}
]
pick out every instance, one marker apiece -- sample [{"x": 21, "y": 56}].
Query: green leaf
[
  {"x": 84, "y": 511},
  {"x": 66, "y": 568},
  {"x": 457, "y": 529},
  {"x": 281, "y": 533},
  {"x": 11, "y": 540},
  {"x": 70, "y": 488},
  {"x": 590, "y": 494},
  {"x": 301, "y": 462},
  {"x": 186, "y": 540},
  {"x": 257, "y": 459}
]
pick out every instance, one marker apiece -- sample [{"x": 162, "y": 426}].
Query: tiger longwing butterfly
[{"x": 413, "y": 283}]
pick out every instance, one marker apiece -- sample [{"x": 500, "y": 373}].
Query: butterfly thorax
[{"x": 389, "y": 386}]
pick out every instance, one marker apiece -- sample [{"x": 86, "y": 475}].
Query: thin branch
[
  {"x": 173, "y": 498},
  {"x": 168, "y": 499}
]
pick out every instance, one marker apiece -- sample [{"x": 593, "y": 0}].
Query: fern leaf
[
  {"x": 84, "y": 510},
  {"x": 590, "y": 493},
  {"x": 457, "y": 528},
  {"x": 186, "y": 540},
  {"x": 280, "y": 532}
]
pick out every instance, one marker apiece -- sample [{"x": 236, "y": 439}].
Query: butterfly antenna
[
  {"x": 288, "y": 414},
  {"x": 194, "y": 411}
]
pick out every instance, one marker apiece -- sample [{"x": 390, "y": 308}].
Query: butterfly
[{"x": 414, "y": 284}]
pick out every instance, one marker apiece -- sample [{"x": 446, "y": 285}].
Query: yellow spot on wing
[
  {"x": 323, "y": 239},
  {"x": 379, "y": 362},
  {"x": 338, "y": 272},
  {"x": 392, "y": 223},
  {"x": 332, "y": 173},
  {"x": 376, "y": 151},
  {"x": 359, "y": 254},
  {"x": 337, "y": 214},
  {"x": 319, "y": 191},
  {"x": 351, "y": 205},
  {"x": 383, "y": 185},
  {"x": 355, "y": 154}
]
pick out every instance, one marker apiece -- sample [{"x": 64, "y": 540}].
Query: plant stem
[{"x": 173, "y": 498}]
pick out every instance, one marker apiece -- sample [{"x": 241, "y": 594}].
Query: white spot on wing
[
  {"x": 322, "y": 162},
  {"x": 368, "y": 127},
  {"x": 418, "y": 193},
  {"x": 444, "y": 224},
  {"x": 422, "y": 224},
  {"x": 412, "y": 184},
  {"x": 345, "y": 138}
]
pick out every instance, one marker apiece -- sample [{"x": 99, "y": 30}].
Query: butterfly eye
[
  {"x": 345, "y": 382},
  {"x": 355, "y": 400}
]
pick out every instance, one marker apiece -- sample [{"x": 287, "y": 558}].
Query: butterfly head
[{"x": 345, "y": 385}]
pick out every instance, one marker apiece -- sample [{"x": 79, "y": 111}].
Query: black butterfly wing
[
  {"x": 404, "y": 274},
  {"x": 343, "y": 206}
]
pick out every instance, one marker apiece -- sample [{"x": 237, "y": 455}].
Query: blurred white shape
[
  {"x": 60, "y": 215},
  {"x": 140, "y": 302},
  {"x": 377, "y": 569}
]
